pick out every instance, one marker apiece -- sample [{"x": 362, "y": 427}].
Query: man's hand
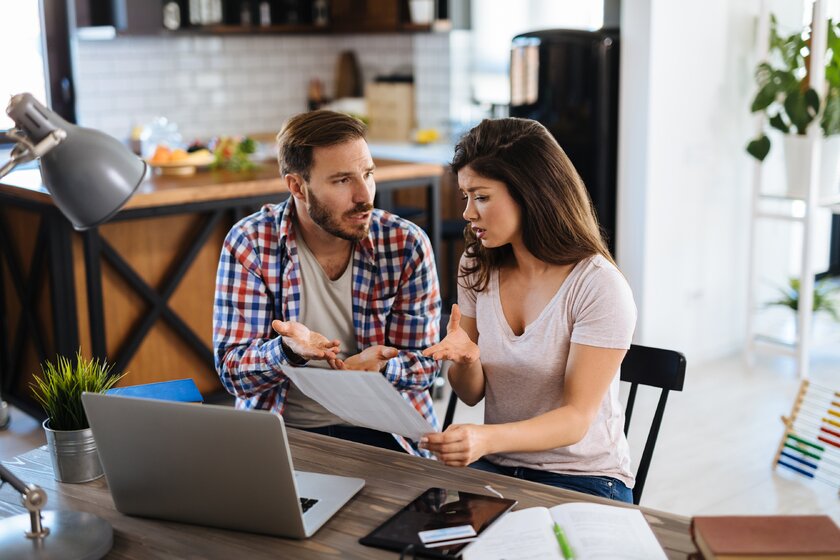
[
  {"x": 457, "y": 346},
  {"x": 306, "y": 344},
  {"x": 369, "y": 359},
  {"x": 459, "y": 445}
]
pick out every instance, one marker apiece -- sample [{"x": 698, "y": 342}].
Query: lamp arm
[
  {"x": 32, "y": 497},
  {"x": 25, "y": 151}
]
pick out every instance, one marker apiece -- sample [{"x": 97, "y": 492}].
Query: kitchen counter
[
  {"x": 137, "y": 290},
  {"x": 161, "y": 190},
  {"x": 437, "y": 153}
]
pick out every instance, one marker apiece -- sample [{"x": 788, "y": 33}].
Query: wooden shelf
[{"x": 302, "y": 29}]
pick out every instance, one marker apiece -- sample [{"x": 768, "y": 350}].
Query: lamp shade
[{"x": 89, "y": 174}]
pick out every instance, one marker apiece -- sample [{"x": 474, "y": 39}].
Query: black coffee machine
[{"x": 568, "y": 80}]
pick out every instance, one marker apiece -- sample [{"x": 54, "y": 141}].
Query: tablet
[{"x": 439, "y": 523}]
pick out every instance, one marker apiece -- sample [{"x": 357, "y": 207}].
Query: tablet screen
[{"x": 439, "y": 523}]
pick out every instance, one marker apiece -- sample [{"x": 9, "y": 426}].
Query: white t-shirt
[
  {"x": 525, "y": 374},
  {"x": 326, "y": 306}
]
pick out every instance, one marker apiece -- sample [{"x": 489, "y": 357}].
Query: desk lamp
[
  {"x": 51, "y": 534},
  {"x": 90, "y": 175}
]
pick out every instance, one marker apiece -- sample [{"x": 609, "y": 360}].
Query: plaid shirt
[{"x": 396, "y": 302}]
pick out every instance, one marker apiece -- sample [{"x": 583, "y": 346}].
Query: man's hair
[
  {"x": 303, "y": 132},
  {"x": 558, "y": 222}
]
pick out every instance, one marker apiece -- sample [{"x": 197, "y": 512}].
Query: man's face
[{"x": 340, "y": 189}]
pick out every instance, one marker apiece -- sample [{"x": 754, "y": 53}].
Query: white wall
[
  {"x": 684, "y": 178},
  {"x": 214, "y": 85}
]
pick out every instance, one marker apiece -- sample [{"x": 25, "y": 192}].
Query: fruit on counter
[
  {"x": 426, "y": 136},
  {"x": 199, "y": 154},
  {"x": 233, "y": 153},
  {"x": 196, "y": 146},
  {"x": 164, "y": 155}
]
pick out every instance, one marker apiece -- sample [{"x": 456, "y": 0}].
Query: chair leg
[
  {"x": 450, "y": 410},
  {"x": 451, "y": 281}
]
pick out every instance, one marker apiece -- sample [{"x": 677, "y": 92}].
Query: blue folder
[{"x": 183, "y": 390}]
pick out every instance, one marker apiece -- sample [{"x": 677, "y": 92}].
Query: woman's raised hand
[{"x": 457, "y": 345}]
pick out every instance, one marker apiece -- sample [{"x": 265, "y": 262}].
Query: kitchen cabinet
[
  {"x": 126, "y": 17},
  {"x": 253, "y": 17}
]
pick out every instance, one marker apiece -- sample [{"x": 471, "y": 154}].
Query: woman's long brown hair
[{"x": 558, "y": 221}]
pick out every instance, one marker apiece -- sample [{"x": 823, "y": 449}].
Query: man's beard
[{"x": 322, "y": 216}]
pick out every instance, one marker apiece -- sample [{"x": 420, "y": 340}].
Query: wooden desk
[
  {"x": 393, "y": 479},
  {"x": 139, "y": 289}
]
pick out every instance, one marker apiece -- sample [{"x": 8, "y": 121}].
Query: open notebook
[{"x": 592, "y": 530}]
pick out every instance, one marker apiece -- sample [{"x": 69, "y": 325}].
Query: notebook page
[
  {"x": 598, "y": 531},
  {"x": 526, "y": 534}
]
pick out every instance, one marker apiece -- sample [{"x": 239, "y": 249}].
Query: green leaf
[
  {"x": 759, "y": 148},
  {"x": 765, "y": 96},
  {"x": 777, "y": 122},
  {"x": 800, "y": 109},
  {"x": 831, "y": 114}
]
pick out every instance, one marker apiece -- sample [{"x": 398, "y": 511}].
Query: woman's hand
[
  {"x": 459, "y": 445},
  {"x": 306, "y": 344},
  {"x": 457, "y": 345},
  {"x": 373, "y": 358}
]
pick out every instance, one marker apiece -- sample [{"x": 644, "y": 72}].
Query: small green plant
[
  {"x": 784, "y": 93},
  {"x": 824, "y": 299},
  {"x": 59, "y": 389}
]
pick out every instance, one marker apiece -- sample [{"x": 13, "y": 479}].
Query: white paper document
[
  {"x": 594, "y": 531},
  {"x": 361, "y": 398}
]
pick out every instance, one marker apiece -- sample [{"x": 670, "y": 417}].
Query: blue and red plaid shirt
[{"x": 396, "y": 302}]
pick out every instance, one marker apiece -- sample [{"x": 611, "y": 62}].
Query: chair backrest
[
  {"x": 654, "y": 367},
  {"x": 643, "y": 365}
]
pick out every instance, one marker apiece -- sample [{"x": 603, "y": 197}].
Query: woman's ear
[{"x": 296, "y": 186}]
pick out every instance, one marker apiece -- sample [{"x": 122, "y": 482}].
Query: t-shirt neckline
[{"x": 500, "y": 313}]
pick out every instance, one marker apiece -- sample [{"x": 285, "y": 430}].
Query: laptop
[{"x": 209, "y": 465}]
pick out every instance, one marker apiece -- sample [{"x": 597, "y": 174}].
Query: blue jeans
[
  {"x": 604, "y": 486},
  {"x": 359, "y": 435}
]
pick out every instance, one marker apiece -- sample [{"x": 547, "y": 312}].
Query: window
[{"x": 22, "y": 51}]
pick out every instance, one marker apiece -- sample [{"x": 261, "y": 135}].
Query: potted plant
[
  {"x": 824, "y": 297},
  {"x": 790, "y": 104},
  {"x": 69, "y": 438}
]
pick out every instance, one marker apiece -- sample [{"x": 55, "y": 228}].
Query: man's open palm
[{"x": 307, "y": 344}]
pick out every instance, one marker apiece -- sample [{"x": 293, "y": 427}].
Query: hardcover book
[{"x": 811, "y": 537}]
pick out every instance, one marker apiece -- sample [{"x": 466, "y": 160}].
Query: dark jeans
[
  {"x": 359, "y": 435},
  {"x": 603, "y": 486}
]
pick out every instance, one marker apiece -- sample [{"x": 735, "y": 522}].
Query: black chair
[
  {"x": 654, "y": 367},
  {"x": 451, "y": 232}
]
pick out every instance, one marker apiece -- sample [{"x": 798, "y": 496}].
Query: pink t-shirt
[{"x": 525, "y": 374}]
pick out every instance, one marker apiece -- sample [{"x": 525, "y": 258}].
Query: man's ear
[{"x": 296, "y": 186}]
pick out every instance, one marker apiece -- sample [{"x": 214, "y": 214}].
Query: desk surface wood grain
[{"x": 393, "y": 479}]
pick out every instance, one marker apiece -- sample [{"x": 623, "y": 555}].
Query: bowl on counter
[{"x": 186, "y": 166}]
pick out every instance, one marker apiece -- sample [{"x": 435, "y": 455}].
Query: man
[{"x": 327, "y": 280}]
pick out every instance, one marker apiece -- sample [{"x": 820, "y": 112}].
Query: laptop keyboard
[{"x": 306, "y": 503}]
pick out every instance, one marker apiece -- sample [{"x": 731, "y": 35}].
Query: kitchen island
[{"x": 138, "y": 289}]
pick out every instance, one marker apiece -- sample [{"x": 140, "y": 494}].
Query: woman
[{"x": 543, "y": 321}]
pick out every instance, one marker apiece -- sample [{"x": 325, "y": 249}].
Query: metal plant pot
[{"x": 73, "y": 453}]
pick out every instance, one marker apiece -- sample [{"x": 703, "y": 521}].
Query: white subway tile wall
[
  {"x": 234, "y": 85},
  {"x": 431, "y": 80}
]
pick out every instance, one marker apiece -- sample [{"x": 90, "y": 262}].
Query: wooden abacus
[{"x": 810, "y": 445}]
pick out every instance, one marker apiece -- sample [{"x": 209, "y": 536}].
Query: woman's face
[{"x": 494, "y": 216}]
